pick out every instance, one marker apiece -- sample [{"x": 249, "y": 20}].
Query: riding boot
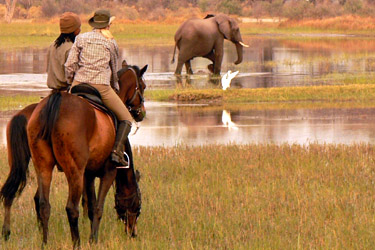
[{"x": 117, "y": 154}]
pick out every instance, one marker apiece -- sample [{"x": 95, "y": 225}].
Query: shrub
[
  {"x": 130, "y": 13},
  {"x": 353, "y": 6},
  {"x": 49, "y": 8},
  {"x": 20, "y": 13},
  {"x": 230, "y": 7},
  {"x": 297, "y": 10},
  {"x": 3, "y": 10},
  {"x": 35, "y": 12}
]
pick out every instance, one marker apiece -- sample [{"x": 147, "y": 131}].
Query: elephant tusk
[{"x": 244, "y": 45}]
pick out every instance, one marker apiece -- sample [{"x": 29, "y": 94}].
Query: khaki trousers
[{"x": 112, "y": 101}]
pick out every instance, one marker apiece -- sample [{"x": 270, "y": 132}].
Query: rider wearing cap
[
  {"x": 93, "y": 60},
  {"x": 70, "y": 27}
]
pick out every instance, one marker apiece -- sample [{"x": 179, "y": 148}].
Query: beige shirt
[{"x": 56, "y": 58}]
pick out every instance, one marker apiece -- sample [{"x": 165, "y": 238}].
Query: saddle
[{"x": 93, "y": 96}]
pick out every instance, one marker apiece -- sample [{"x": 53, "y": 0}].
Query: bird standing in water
[{"x": 227, "y": 78}]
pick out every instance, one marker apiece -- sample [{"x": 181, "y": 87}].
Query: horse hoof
[{"x": 6, "y": 234}]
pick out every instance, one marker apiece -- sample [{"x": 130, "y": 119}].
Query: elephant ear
[{"x": 224, "y": 23}]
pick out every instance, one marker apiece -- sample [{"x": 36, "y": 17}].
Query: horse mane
[{"x": 48, "y": 116}]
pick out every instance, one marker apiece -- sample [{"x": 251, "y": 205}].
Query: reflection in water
[
  {"x": 268, "y": 62},
  {"x": 169, "y": 124},
  {"x": 227, "y": 121}
]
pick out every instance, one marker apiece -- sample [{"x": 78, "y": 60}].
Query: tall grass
[{"x": 227, "y": 197}]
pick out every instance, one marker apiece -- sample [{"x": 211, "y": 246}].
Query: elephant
[{"x": 205, "y": 38}]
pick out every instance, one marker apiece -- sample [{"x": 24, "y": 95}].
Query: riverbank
[
  {"x": 352, "y": 95},
  {"x": 278, "y": 197},
  {"x": 359, "y": 93}
]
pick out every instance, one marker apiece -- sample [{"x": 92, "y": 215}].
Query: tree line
[{"x": 156, "y": 9}]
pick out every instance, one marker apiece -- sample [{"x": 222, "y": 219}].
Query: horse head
[
  {"x": 132, "y": 88},
  {"x": 128, "y": 207}
]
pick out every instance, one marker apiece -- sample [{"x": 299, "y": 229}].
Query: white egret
[{"x": 227, "y": 78}]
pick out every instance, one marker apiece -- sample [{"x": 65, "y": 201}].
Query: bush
[
  {"x": 75, "y": 6},
  {"x": 297, "y": 10},
  {"x": 3, "y": 10},
  {"x": 353, "y": 6},
  {"x": 129, "y": 13},
  {"x": 49, "y": 8},
  {"x": 327, "y": 9},
  {"x": 20, "y": 13},
  {"x": 35, "y": 12},
  {"x": 260, "y": 9},
  {"x": 230, "y": 7},
  {"x": 156, "y": 15}
]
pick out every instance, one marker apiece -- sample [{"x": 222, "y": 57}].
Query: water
[
  {"x": 169, "y": 124},
  {"x": 268, "y": 62}
]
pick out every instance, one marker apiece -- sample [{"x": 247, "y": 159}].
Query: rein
[{"x": 137, "y": 92}]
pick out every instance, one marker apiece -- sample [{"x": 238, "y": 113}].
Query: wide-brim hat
[{"x": 101, "y": 19}]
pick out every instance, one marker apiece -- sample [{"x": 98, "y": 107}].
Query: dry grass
[
  {"x": 346, "y": 23},
  {"x": 233, "y": 197}
]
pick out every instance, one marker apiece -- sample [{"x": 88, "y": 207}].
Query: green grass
[
  {"x": 227, "y": 197},
  {"x": 362, "y": 93},
  {"x": 37, "y": 34},
  {"x": 16, "y": 102},
  {"x": 359, "y": 95},
  {"x": 41, "y": 35}
]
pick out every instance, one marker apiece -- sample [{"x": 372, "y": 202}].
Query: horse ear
[
  {"x": 143, "y": 70},
  {"x": 124, "y": 63},
  {"x": 137, "y": 175}
]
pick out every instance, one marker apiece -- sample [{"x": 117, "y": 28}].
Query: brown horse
[{"x": 65, "y": 130}]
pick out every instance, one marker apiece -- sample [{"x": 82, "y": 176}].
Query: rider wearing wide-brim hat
[
  {"x": 70, "y": 27},
  {"x": 93, "y": 60}
]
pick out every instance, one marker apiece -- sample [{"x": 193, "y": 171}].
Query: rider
[
  {"x": 93, "y": 60},
  {"x": 70, "y": 27}
]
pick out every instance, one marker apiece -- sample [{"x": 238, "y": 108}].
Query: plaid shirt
[{"x": 93, "y": 59}]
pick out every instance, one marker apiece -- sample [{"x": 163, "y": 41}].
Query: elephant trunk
[{"x": 239, "y": 53}]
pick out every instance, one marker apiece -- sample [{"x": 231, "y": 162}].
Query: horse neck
[{"x": 125, "y": 181}]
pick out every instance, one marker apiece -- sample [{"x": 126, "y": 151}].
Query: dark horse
[{"x": 65, "y": 130}]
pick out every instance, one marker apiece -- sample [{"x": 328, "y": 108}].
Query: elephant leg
[
  {"x": 219, "y": 51},
  {"x": 180, "y": 63},
  {"x": 211, "y": 56},
  {"x": 189, "y": 71}
]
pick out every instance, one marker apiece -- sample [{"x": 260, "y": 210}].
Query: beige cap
[{"x": 69, "y": 22}]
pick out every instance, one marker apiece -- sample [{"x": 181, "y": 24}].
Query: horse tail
[
  {"x": 48, "y": 116},
  {"x": 19, "y": 158}
]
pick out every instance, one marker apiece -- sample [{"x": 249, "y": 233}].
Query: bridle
[
  {"x": 125, "y": 217},
  {"x": 137, "y": 92}
]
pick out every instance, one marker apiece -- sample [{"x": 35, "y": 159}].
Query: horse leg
[
  {"x": 44, "y": 163},
  {"x": 89, "y": 196},
  {"x": 37, "y": 209},
  {"x": 75, "y": 182},
  {"x": 105, "y": 184},
  {"x": 85, "y": 196}
]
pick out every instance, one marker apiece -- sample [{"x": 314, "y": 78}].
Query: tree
[{"x": 10, "y": 6}]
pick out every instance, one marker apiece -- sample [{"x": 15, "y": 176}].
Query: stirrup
[{"x": 128, "y": 166}]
